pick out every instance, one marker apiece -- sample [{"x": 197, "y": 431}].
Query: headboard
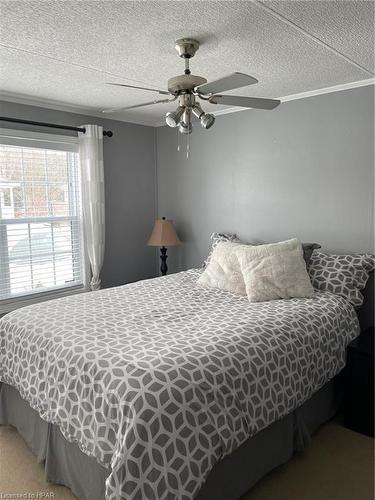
[{"x": 366, "y": 312}]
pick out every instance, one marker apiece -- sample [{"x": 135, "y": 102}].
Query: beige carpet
[{"x": 338, "y": 466}]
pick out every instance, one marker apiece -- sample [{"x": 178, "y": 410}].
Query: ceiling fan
[{"x": 187, "y": 88}]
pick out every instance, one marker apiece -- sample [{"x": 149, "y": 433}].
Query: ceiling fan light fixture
[
  {"x": 207, "y": 120},
  {"x": 186, "y": 116},
  {"x": 197, "y": 111},
  {"x": 172, "y": 118},
  {"x": 185, "y": 128},
  {"x": 188, "y": 88}
]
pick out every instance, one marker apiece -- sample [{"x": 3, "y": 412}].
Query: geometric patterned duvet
[{"x": 160, "y": 379}]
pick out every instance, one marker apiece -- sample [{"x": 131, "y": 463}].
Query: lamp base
[{"x": 163, "y": 258}]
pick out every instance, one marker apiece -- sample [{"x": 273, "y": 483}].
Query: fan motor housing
[{"x": 184, "y": 82}]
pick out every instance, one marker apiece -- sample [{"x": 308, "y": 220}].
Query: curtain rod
[{"x": 107, "y": 133}]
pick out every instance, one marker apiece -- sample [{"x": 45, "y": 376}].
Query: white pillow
[
  {"x": 274, "y": 271},
  {"x": 217, "y": 238},
  {"x": 223, "y": 270}
]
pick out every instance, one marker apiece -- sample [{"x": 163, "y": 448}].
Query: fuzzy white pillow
[
  {"x": 274, "y": 271},
  {"x": 223, "y": 270}
]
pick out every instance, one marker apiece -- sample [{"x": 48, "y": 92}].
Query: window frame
[{"x": 57, "y": 142}]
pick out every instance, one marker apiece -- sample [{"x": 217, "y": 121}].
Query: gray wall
[
  {"x": 129, "y": 160},
  {"x": 303, "y": 170}
]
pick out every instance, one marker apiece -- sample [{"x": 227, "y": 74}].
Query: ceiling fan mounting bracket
[{"x": 186, "y": 47}]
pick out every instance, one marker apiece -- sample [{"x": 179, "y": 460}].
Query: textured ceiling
[{"x": 65, "y": 51}]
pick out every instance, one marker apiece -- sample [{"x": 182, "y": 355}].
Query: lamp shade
[{"x": 163, "y": 234}]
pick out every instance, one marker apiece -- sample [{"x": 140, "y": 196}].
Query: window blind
[{"x": 40, "y": 217}]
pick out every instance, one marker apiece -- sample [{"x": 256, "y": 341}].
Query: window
[
  {"x": 40, "y": 216},
  {"x": 7, "y": 199}
]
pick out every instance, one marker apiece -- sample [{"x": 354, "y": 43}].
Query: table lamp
[{"x": 163, "y": 235}]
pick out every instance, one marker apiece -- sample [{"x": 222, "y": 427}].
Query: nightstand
[{"x": 359, "y": 384}]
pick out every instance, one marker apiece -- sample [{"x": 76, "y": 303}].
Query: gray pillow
[
  {"x": 344, "y": 275},
  {"x": 308, "y": 248}
]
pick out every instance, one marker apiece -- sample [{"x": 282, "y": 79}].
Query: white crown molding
[
  {"x": 328, "y": 90},
  {"x": 71, "y": 108},
  {"x": 304, "y": 95}
]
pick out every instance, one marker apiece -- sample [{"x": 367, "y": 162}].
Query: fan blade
[
  {"x": 230, "y": 82},
  {"x": 244, "y": 102},
  {"x": 116, "y": 110},
  {"x": 163, "y": 92}
]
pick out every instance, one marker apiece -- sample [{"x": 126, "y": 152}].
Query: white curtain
[{"x": 92, "y": 177}]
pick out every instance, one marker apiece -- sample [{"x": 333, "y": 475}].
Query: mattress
[
  {"x": 64, "y": 463},
  {"x": 161, "y": 379}
]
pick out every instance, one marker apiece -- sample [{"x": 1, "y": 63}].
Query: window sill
[{"x": 12, "y": 304}]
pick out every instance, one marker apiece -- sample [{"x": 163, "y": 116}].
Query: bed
[{"x": 162, "y": 389}]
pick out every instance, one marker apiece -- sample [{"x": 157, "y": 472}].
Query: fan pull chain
[
  {"x": 187, "y": 146},
  {"x": 178, "y": 140}
]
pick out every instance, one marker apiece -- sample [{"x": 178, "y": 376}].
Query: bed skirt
[{"x": 66, "y": 464}]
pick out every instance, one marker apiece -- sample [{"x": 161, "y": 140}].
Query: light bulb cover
[
  {"x": 172, "y": 118},
  {"x": 197, "y": 110},
  {"x": 207, "y": 120}
]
